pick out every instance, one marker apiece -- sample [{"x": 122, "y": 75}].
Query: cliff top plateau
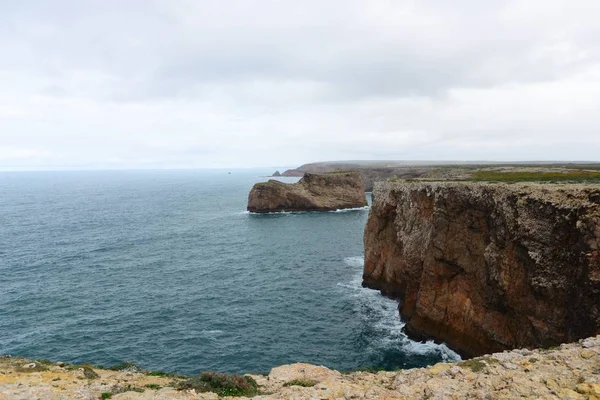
[
  {"x": 570, "y": 371},
  {"x": 375, "y": 171},
  {"x": 314, "y": 192}
]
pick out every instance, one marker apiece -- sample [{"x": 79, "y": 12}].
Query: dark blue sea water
[{"x": 166, "y": 269}]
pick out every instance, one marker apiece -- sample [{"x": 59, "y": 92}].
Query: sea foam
[{"x": 382, "y": 314}]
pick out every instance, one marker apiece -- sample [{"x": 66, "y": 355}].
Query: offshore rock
[
  {"x": 488, "y": 267},
  {"x": 314, "y": 192}
]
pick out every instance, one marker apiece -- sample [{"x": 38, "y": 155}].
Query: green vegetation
[
  {"x": 89, "y": 372},
  {"x": 550, "y": 176},
  {"x": 221, "y": 384},
  {"x": 478, "y": 364},
  {"x": 153, "y": 386},
  {"x": 301, "y": 382},
  {"x": 32, "y": 367},
  {"x": 164, "y": 374},
  {"x": 370, "y": 370},
  {"x": 126, "y": 366},
  {"x": 120, "y": 389},
  {"x": 473, "y": 365}
]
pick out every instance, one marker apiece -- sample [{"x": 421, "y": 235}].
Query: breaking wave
[
  {"x": 306, "y": 212},
  {"x": 382, "y": 320}
]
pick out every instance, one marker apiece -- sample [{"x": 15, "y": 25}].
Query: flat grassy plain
[{"x": 579, "y": 175}]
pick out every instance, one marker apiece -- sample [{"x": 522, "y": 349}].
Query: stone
[
  {"x": 439, "y": 368},
  {"x": 509, "y": 365},
  {"x": 569, "y": 394},
  {"x": 589, "y": 389},
  {"x": 89, "y": 373},
  {"x": 587, "y": 353},
  {"x": 314, "y": 192},
  {"x": 286, "y": 373}
]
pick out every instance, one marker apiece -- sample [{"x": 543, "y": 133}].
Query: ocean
[{"x": 166, "y": 269}]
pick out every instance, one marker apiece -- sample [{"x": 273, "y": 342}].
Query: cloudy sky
[{"x": 197, "y": 83}]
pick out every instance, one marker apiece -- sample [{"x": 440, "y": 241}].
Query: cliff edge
[
  {"x": 314, "y": 192},
  {"x": 487, "y": 267},
  {"x": 568, "y": 372}
]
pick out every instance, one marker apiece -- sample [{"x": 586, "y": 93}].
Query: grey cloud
[
  {"x": 148, "y": 47},
  {"x": 160, "y": 81}
]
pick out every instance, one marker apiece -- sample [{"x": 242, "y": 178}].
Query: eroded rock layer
[
  {"x": 487, "y": 267},
  {"x": 314, "y": 192}
]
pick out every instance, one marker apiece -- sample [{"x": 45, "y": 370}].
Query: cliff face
[
  {"x": 488, "y": 267},
  {"x": 314, "y": 192}
]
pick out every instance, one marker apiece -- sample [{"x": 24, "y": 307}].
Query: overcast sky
[{"x": 194, "y": 83}]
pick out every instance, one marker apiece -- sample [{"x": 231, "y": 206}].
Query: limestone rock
[
  {"x": 555, "y": 374},
  {"x": 302, "y": 371},
  {"x": 314, "y": 192},
  {"x": 487, "y": 267}
]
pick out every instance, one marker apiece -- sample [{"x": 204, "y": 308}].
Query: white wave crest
[
  {"x": 351, "y": 209},
  {"x": 355, "y": 261},
  {"x": 382, "y": 314},
  {"x": 306, "y": 212}
]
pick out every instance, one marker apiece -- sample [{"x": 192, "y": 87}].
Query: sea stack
[
  {"x": 314, "y": 192},
  {"x": 488, "y": 267}
]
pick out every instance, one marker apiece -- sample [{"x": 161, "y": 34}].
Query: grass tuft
[
  {"x": 301, "y": 382},
  {"x": 153, "y": 386},
  {"x": 478, "y": 364},
  {"x": 126, "y": 366},
  {"x": 551, "y": 177},
  {"x": 221, "y": 384}
]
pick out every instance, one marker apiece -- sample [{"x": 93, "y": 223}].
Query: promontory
[{"x": 314, "y": 192}]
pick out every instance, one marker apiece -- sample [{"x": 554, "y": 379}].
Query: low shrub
[
  {"x": 153, "y": 386},
  {"x": 126, "y": 366},
  {"x": 301, "y": 382},
  {"x": 221, "y": 384}
]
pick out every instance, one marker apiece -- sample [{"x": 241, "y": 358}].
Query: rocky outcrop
[
  {"x": 276, "y": 174},
  {"x": 370, "y": 172},
  {"x": 487, "y": 267},
  {"x": 314, "y": 192},
  {"x": 568, "y": 372}
]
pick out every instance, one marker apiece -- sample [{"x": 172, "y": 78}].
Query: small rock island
[{"x": 314, "y": 192}]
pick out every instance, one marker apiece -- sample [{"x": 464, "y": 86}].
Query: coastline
[{"x": 567, "y": 371}]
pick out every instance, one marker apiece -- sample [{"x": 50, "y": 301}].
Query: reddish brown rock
[
  {"x": 314, "y": 192},
  {"x": 487, "y": 267}
]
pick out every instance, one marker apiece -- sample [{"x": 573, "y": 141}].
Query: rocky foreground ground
[{"x": 571, "y": 371}]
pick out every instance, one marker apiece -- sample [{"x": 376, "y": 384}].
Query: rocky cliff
[
  {"x": 314, "y": 192},
  {"x": 487, "y": 267}
]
